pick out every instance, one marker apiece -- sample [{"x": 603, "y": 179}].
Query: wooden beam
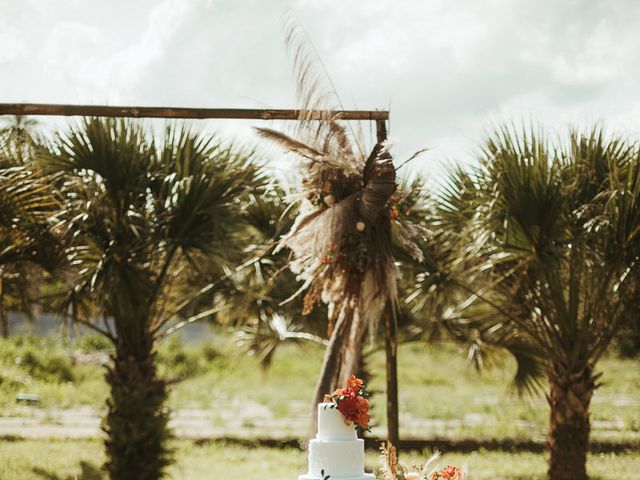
[{"x": 177, "y": 112}]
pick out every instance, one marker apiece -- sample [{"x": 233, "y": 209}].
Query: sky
[{"x": 448, "y": 70}]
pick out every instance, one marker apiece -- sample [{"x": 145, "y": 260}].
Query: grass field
[
  {"x": 440, "y": 394},
  {"x": 82, "y": 460},
  {"x": 440, "y": 397}
]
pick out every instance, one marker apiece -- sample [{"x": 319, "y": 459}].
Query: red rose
[
  {"x": 363, "y": 404},
  {"x": 363, "y": 420},
  {"x": 348, "y": 406}
]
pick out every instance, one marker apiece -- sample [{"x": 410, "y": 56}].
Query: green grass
[
  {"x": 440, "y": 394},
  {"x": 42, "y": 366},
  {"x": 67, "y": 460}
]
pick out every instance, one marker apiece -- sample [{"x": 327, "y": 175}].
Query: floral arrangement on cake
[
  {"x": 352, "y": 402},
  {"x": 392, "y": 470}
]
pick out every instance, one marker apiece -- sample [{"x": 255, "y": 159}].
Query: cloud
[
  {"x": 88, "y": 58},
  {"x": 449, "y": 67},
  {"x": 445, "y": 68},
  {"x": 126, "y": 68},
  {"x": 11, "y": 44}
]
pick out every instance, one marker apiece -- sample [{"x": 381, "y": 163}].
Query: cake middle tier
[{"x": 342, "y": 458}]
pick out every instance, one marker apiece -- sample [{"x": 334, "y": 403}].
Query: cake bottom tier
[{"x": 364, "y": 476}]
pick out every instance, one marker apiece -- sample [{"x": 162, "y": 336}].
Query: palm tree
[
  {"x": 20, "y": 137},
  {"x": 548, "y": 256},
  {"x": 141, "y": 218},
  {"x": 28, "y": 205},
  {"x": 258, "y": 296}
]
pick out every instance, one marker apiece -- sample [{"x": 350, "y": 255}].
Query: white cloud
[
  {"x": 11, "y": 45},
  {"x": 127, "y": 67},
  {"x": 445, "y": 68},
  {"x": 86, "y": 57}
]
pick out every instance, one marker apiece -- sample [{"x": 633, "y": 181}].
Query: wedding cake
[{"x": 336, "y": 452}]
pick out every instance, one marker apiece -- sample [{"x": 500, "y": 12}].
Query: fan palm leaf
[
  {"x": 548, "y": 257},
  {"x": 142, "y": 217}
]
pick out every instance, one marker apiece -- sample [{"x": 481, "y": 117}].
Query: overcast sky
[{"x": 446, "y": 69}]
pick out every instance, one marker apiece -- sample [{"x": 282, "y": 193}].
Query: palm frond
[{"x": 289, "y": 143}]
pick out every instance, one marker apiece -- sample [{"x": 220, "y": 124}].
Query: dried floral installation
[
  {"x": 393, "y": 470},
  {"x": 341, "y": 239}
]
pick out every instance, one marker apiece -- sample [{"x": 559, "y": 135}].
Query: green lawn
[
  {"x": 440, "y": 394},
  {"x": 82, "y": 460}
]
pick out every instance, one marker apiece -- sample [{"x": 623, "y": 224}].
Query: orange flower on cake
[
  {"x": 355, "y": 384},
  {"x": 362, "y": 420},
  {"x": 348, "y": 407},
  {"x": 363, "y": 404},
  {"x": 352, "y": 403},
  {"x": 340, "y": 392}
]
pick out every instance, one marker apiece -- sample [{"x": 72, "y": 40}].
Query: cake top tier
[{"x": 332, "y": 425}]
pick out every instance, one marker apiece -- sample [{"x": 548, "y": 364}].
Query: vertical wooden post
[{"x": 391, "y": 346}]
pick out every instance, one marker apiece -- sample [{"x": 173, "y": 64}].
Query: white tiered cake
[{"x": 336, "y": 450}]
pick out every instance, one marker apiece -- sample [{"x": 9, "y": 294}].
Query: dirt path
[
  {"x": 248, "y": 421},
  {"x": 85, "y": 422}
]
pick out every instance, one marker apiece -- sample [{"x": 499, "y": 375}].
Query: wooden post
[
  {"x": 391, "y": 346},
  {"x": 391, "y": 349}
]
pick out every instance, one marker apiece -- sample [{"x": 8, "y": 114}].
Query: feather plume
[
  {"x": 317, "y": 98},
  {"x": 288, "y": 143}
]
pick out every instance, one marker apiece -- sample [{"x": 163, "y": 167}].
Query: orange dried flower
[
  {"x": 340, "y": 392},
  {"x": 363, "y": 404},
  {"x": 448, "y": 473},
  {"x": 352, "y": 403},
  {"x": 355, "y": 383},
  {"x": 362, "y": 420}
]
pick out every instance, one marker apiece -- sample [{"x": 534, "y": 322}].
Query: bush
[
  {"x": 45, "y": 367},
  {"x": 39, "y": 358},
  {"x": 179, "y": 361},
  {"x": 94, "y": 343}
]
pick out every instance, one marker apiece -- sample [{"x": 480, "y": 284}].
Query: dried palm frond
[
  {"x": 341, "y": 238},
  {"x": 317, "y": 100},
  {"x": 389, "y": 460},
  {"x": 288, "y": 142}
]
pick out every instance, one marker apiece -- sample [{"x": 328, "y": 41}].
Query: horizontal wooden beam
[{"x": 171, "y": 112}]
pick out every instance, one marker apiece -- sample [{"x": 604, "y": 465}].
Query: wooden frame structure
[
  {"x": 54, "y": 109},
  {"x": 380, "y": 117}
]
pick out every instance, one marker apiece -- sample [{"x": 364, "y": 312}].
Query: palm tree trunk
[
  {"x": 569, "y": 428},
  {"x": 327, "y": 381},
  {"x": 4, "y": 318},
  {"x": 352, "y": 349},
  {"x": 136, "y": 422},
  {"x": 4, "y": 322}
]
